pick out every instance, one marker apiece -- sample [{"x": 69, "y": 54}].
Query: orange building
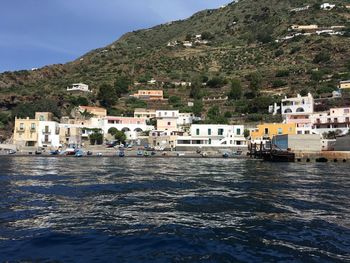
[
  {"x": 149, "y": 95},
  {"x": 97, "y": 111}
]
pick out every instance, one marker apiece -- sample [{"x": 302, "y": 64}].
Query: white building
[
  {"x": 79, "y": 87},
  {"x": 327, "y": 6},
  {"x": 298, "y": 105},
  {"x": 48, "y": 134},
  {"x": 132, "y": 127},
  {"x": 213, "y": 136}
]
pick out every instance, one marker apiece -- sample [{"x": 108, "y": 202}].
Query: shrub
[
  {"x": 282, "y": 73},
  {"x": 278, "y": 83},
  {"x": 322, "y": 57}
]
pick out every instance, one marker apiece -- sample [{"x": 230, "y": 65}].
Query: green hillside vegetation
[{"x": 241, "y": 60}]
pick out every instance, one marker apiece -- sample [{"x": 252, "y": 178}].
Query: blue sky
[{"x": 34, "y": 33}]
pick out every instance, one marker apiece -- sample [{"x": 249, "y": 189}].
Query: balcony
[
  {"x": 20, "y": 130},
  {"x": 46, "y": 141}
]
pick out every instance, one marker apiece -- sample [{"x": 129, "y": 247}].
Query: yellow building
[
  {"x": 268, "y": 130},
  {"x": 97, "y": 111},
  {"x": 27, "y": 130},
  {"x": 344, "y": 85}
]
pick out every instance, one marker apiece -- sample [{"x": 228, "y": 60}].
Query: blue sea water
[{"x": 172, "y": 210}]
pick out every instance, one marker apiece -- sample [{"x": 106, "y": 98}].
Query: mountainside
[{"x": 237, "y": 42}]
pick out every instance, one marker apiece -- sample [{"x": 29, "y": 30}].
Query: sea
[{"x": 172, "y": 210}]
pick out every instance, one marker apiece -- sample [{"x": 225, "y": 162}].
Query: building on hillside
[
  {"x": 144, "y": 113},
  {"x": 151, "y": 82},
  {"x": 298, "y": 105},
  {"x": 149, "y": 95},
  {"x": 266, "y": 131},
  {"x": 37, "y": 132},
  {"x": 96, "y": 111},
  {"x": 78, "y": 87},
  {"x": 299, "y": 9},
  {"x": 207, "y": 136},
  {"x": 327, "y": 6},
  {"x": 304, "y": 27},
  {"x": 344, "y": 85}
]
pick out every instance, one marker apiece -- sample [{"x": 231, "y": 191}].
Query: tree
[
  {"x": 120, "y": 136},
  {"x": 207, "y": 36},
  {"x": 246, "y": 133},
  {"x": 216, "y": 82},
  {"x": 107, "y": 95},
  {"x": 28, "y": 109},
  {"x": 112, "y": 131},
  {"x": 197, "y": 108},
  {"x": 196, "y": 92},
  {"x": 236, "y": 90},
  {"x": 96, "y": 138},
  {"x": 121, "y": 85}
]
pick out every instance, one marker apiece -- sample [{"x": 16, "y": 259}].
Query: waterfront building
[
  {"x": 27, "y": 132},
  {"x": 78, "y": 87},
  {"x": 133, "y": 127},
  {"x": 149, "y": 95},
  {"x": 266, "y": 131},
  {"x": 298, "y": 142},
  {"x": 163, "y": 140},
  {"x": 49, "y": 134},
  {"x": 332, "y": 120},
  {"x": 213, "y": 136}
]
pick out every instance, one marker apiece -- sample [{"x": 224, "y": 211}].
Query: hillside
[{"x": 238, "y": 43}]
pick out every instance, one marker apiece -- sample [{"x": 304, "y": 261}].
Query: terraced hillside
[{"x": 238, "y": 43}]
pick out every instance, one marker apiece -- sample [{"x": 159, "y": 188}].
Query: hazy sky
[{"x": 34, "y": 33}]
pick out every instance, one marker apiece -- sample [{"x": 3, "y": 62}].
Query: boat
[
  {"x": 79, "y": 153},
  {"x": 121, "y": 154},
  {"x": 56, "y": 152},
  {"x": 204, "y": 154},
  {"x": 226, "y": 155},
  {"x": 139, "y": 153},
  {"x": 146, "y": 154},
  {"x": 70, "y": 151}
]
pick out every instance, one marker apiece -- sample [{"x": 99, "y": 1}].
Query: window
[
  {"x": 347, "y": 111},
  {"x": 279, "y": 131},
  {"x": 197, "y": 131},
  {"x": 169, "y": 123},
  {"x": 266, "y": 131},
  {"x": 21, "y": 126},
  {"x": 32, "y": 126},
  {"x": 209, "y": 131},
  {"x": 220, "y": 132},
  {"x": 238, "y": 131},
  {"x": 209, "y": 141},
  {"x": 307, "y": 132},
  {"x": 238, "y": 142}
]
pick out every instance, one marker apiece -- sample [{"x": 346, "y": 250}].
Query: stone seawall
[{"x": 330, "y": 156}]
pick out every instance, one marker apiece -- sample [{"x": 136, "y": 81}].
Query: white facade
[
  {"x": 79, "y": 87},
  {"x": 208, "y": 135},
  {"x": 131, "y": 126},
  {"x": 334, "y": 119},
  {"x": 327, "y": 6},
  {"x": 186, "y": 119},
  {"x": 49, "y": 134},
  {"x": 298, "y": 105}
]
